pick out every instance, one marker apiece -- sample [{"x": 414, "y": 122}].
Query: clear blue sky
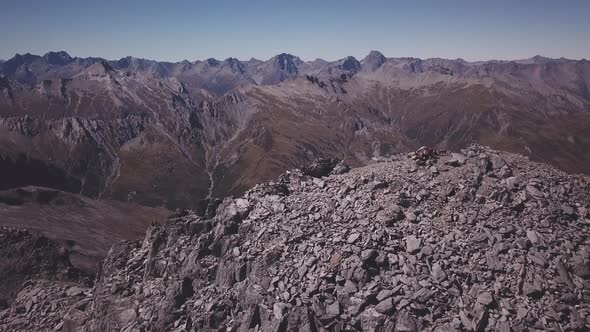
[{"x": 331, "y": 29}]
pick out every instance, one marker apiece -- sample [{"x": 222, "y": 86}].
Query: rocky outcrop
[
  {"x": 475, "y": 241},
  {"x": 38, "y": 284},
  {"x": 85, "y": 228}
]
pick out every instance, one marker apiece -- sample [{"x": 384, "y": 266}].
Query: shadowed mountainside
[{"x": 85, "y": 228}]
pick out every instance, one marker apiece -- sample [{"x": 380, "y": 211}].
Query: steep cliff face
[{"x": 477, "y": 240}]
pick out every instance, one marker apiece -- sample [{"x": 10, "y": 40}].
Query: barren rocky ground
[
  {"x": 25, "y": 258},
  {"x": 474, "y": 241}
]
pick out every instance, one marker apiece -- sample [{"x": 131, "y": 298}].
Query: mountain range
[{"x": 178, "y": 135}]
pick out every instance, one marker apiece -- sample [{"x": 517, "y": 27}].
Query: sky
[{"x": 175, "y": 30}]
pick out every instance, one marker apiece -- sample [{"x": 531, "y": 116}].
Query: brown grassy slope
[
  {"x": 285, "y": 134},
  {"x": 154, "y": 172},
  {"x": 454, "y": 117},
  {"x": 86, "y": 227}
]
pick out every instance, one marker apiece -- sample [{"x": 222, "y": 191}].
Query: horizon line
[{"x": 287, "y": 53}]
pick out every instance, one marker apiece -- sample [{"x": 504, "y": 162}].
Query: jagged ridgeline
[{"x": 479, "y": 240}]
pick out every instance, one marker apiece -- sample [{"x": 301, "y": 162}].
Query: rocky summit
[{"x": 474, "y": 241}]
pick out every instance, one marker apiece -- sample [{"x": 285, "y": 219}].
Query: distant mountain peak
[
  {"x": 287, "y": 62},
  {"x": 374, "y": 60},
  {"x": 235, "y": 64},
  {"x": 27, "y": 57},
  {"x": 212, "y": 62},
  {"x": 350, "y": 63},
  {"x": 124, "y": 62},
  {"x": 107, "y": 67},
  {"x": 283, "y": 55},
  {"x": 58, "y": 58},
  {"x": 101, "y": 68},
  {"x": 537, "y": 59},
  {"x": 10, "y": 66},
  {"x": 375, "y": 55}
]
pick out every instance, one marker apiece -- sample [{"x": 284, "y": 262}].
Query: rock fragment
[
  {"x": 413, "y": 244},
  {"x": 385, "y": 307},
  {"x": 456, "y": 160},
  {"x": 437, "y": 272}
]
